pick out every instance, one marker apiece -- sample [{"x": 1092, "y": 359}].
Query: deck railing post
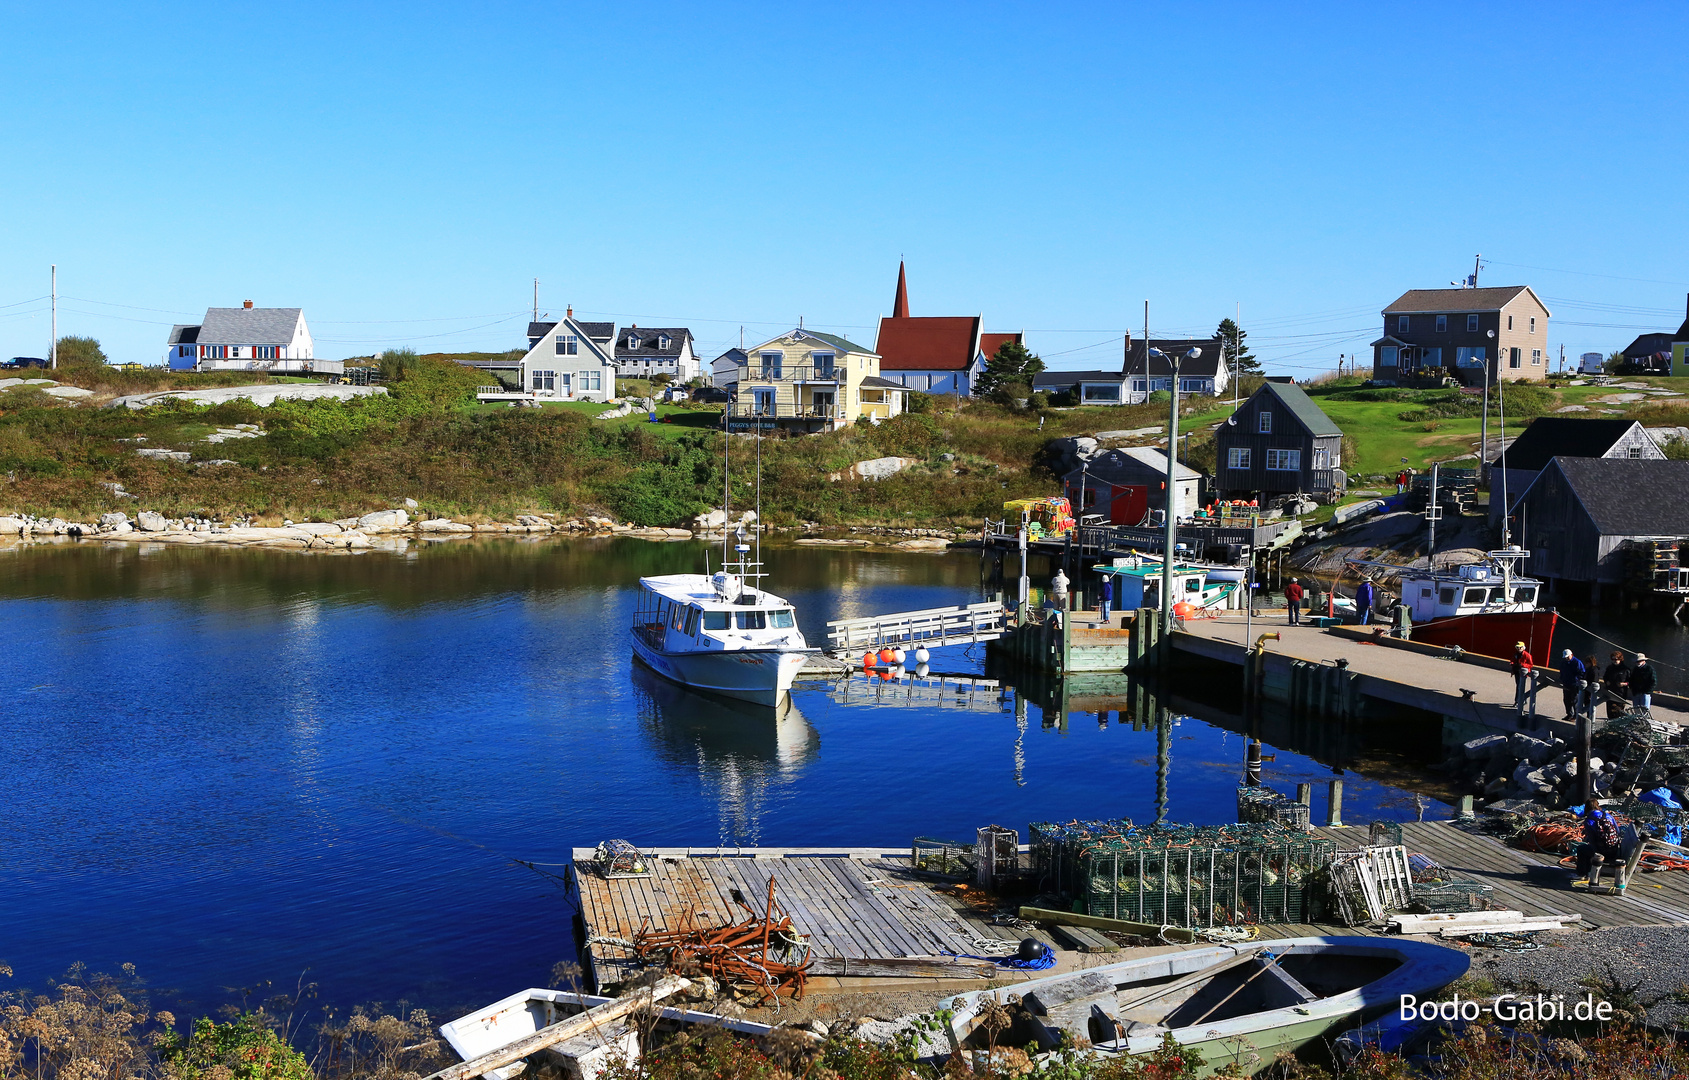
[{"x": 1334, "y": 812}]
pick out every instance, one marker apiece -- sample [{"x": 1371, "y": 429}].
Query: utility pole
[
  {"x": 536, "y": 299},
  {"x": 53, "y": 349},
  {"x": 1237, "y": 352},
  {"x": 1477, "y": 261}
]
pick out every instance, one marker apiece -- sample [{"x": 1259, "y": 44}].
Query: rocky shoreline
[{"x": 389, "y": 530}]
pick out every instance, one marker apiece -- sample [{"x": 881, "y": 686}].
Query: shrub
[{"x": 243, "y": 1049}]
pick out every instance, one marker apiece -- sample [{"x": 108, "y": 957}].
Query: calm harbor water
[{"x": 237, "y": 766}]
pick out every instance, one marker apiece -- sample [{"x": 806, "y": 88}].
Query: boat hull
[
  {"x": 760, "y": 676},
  {"x": 1422, "y": 969},
  {"x": 1493, "y": 633}
]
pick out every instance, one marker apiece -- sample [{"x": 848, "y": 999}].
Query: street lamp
[
  {"x": 1484, "y": 424},
  {"x": 1172, "y": 455}
]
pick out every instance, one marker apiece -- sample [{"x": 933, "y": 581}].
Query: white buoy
[
  {"x": 920, "y": 671},
  {"x": 897, "y": 654},
  {"x": 921, "y": 655}
]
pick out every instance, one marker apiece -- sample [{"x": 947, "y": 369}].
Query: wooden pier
[
  {"x": 869, "y": 903},
  {"x": 965, "y": 624}
]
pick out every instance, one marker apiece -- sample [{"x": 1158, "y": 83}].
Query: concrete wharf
[
  {"x": 1474, "y": 694},
  {"x": 869, "y": 902}
]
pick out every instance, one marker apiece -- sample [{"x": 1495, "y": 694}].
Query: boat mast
[{"x": 726, "y": 479}]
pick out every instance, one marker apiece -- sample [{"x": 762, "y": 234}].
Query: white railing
[{"x": 933, "y": 626}]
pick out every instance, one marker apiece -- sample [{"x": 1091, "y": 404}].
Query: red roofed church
[{"x": 935, "y": 355}]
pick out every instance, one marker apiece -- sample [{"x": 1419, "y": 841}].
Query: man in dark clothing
[
  {"x": 1615, "y": 682},
  {"x": 1365, "y": 597},
  {"x": 1641, "y": 683},
  {"x": 1293, "y": 600},
  {"x": 1571, "y": 681},
  {"x": 1107, "y": 596},
  {"x": 1523, "y": 666},
  {"x": 1600, "y": 840}
]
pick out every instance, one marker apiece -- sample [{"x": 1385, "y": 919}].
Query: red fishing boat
[{"x": 1484, "y": 608}]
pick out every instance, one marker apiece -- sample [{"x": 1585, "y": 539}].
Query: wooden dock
[{"x": 868, "y": 903}]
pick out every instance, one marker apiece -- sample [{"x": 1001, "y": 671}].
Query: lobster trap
[
  {"x": 1188, "y": 876},
  {"x": 1257, "y": 804},
  {"x": 951, "y": 858},
  {"x": 620, "y": 859}
]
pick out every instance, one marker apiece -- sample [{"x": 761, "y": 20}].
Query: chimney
[
  {"x": 247, "y": 304},
  {"x": 570, "y": 312},
  {"x": 1128, "y": 353}
]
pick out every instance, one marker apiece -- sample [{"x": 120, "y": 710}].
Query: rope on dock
[{"x": 1621, "y": 648}]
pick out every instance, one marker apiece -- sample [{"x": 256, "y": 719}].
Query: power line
[{"x": 1588, "y": 273}]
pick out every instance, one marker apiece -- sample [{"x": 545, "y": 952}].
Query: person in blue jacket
[
  {"x": 1572, "y": 675},
  {"x": 1365, "y": 597},
  {"x": 1107, "y": 595}
]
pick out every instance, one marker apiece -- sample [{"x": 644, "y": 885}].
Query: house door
[
  {"x": 823, "y": 402},
  {"x": 563, "y": 384},
  {"x": 764, "y": 401},
  {"x": 1127, "y": 504}
]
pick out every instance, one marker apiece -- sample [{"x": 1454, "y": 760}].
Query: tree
[
  {"x": 397, "y": 364},
  {"x": 1013, "y": 363},
  {"x": 1234, "y": 348},
  {"x": 80, "y": 352}
]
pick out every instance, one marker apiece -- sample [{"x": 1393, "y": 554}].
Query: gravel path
[{"x": 1649, "y": 964}]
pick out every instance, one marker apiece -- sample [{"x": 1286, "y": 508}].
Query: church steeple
[{"x": 900, "y": 306}]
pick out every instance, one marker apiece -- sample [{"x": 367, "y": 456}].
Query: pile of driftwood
[{"x": 762, "y": 953}]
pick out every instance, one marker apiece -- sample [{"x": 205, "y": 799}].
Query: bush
[
  {"x": 243, "y": 1049},
  {"x": 920, "y": 403},
  {"x": 81, "y": 352}
]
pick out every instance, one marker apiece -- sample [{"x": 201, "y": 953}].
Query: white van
[{"x": 1590, "y": 363}]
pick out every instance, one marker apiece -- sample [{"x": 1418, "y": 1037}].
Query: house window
[
  {"x": 1634, "y": 452},
  {"x": 1442, "y": 324},
  {"x": 1401, "y": 324},
  {"x": 1469, "y": 357},
  {"x": 663, "y": 342},
  {"x": 771, "y": 364},
  {"x": 1284, "y": 460},
  {"x": 1533, "y": 324},
  {"x": 823, "y": 365},
  {"x": 1386, "y": 356},
  {"x": 1510, "y": 322},
  {"x": 1264, "y": 425},
  {"x": 1431, "y": 357},
  {"x": 545, "y": 380},
  {"x": 1512, "y": 358},
  {"x": 568, "y": 345},
  {"x": 592, "y": 380},
  {"x": 633, "y": 341},
  {"x": 1536, "y": 357},
  {"x": 1237, "y": 457},
  {"x": 1140, "y": 386},
  {"x": 1472, "y": 324},
  {"x": 1193, "y": 386},
  {"x": 1100, "y": 392}
]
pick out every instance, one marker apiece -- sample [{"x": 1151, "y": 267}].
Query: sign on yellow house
[{"x": 808, "y": 381}]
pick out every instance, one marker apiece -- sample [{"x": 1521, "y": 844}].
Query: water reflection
[{"x": 744, "y": 754}]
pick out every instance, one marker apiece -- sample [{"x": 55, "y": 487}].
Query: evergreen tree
[
  {"x": 1235, "y": 349},
  {"x": 80, "y": 352},
  {"x": 1012, "y": 364}
]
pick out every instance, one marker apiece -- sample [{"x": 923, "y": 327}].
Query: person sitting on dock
[
  {"x": 1600, "y": 839},
  {"x": 1523, "y": 666},
  {"x": 1615, "y": 682},
  {"x": 1642, "y": 683},
  {"x": 1293, "y": 601},
  {"x": 1572, "y": 675}
]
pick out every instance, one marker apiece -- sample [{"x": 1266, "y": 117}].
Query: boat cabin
[
  {"x": 692, "y": 613},
  {"x": 1137, "y": 584},
  {"x": 1471, "y": 590}
]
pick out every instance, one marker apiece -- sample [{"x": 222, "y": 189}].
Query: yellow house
[{"x": 806, "y": 381}]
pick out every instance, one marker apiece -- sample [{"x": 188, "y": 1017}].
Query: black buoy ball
[{"x": 1030, "y": 949}]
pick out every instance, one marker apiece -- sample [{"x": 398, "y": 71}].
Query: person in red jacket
[
  {"x": 1523, "y": 666},
  {"x": 1293, "y": 600}
]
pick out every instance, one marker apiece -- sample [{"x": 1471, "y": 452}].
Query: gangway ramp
[{"x": 964, "y": 624}]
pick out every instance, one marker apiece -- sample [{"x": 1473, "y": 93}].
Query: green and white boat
[{"x": 1230, "y": 1003}]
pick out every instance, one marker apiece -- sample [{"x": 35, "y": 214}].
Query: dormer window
[
  {"x": 663, "y": 342},
  {"x": 633, "y": 341}
]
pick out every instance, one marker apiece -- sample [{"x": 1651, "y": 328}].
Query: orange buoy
[
  {"x": 867, "y": 660},
  {"x": 887, "y": 657},
  {"x": 1182, "y": 610}
]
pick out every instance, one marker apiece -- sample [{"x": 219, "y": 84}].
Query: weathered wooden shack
[
  {"x": 1278, "y": 442},
  {"x": 1122, "y": 486},
  {"x": 1577, "y": 515},
  {"x": 1549, "y": 437}
]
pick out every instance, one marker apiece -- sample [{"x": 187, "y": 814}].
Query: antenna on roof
[{"x": 536, "y": 299}]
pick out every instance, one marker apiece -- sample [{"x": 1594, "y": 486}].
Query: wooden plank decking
[{"x": 867, "y": 902}]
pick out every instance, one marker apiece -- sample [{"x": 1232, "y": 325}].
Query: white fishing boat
[
  {"x": 718, "y": 634},
  {"x": 1226, "y": 1002}
]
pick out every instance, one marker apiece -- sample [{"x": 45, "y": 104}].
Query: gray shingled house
[
  {"x": 247, "y": 338},
  {"x": 1278, "y": 443},
  {"x": 1549, "y": 437},
  {"x": 1576, "y": 516}
]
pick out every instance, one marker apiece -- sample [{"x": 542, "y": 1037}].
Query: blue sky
[{"x": 403, "y": 172}]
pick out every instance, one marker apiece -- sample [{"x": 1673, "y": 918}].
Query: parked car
[
  {"x": 711, "y": 395},
  {"x": 19, "y": 363}
]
